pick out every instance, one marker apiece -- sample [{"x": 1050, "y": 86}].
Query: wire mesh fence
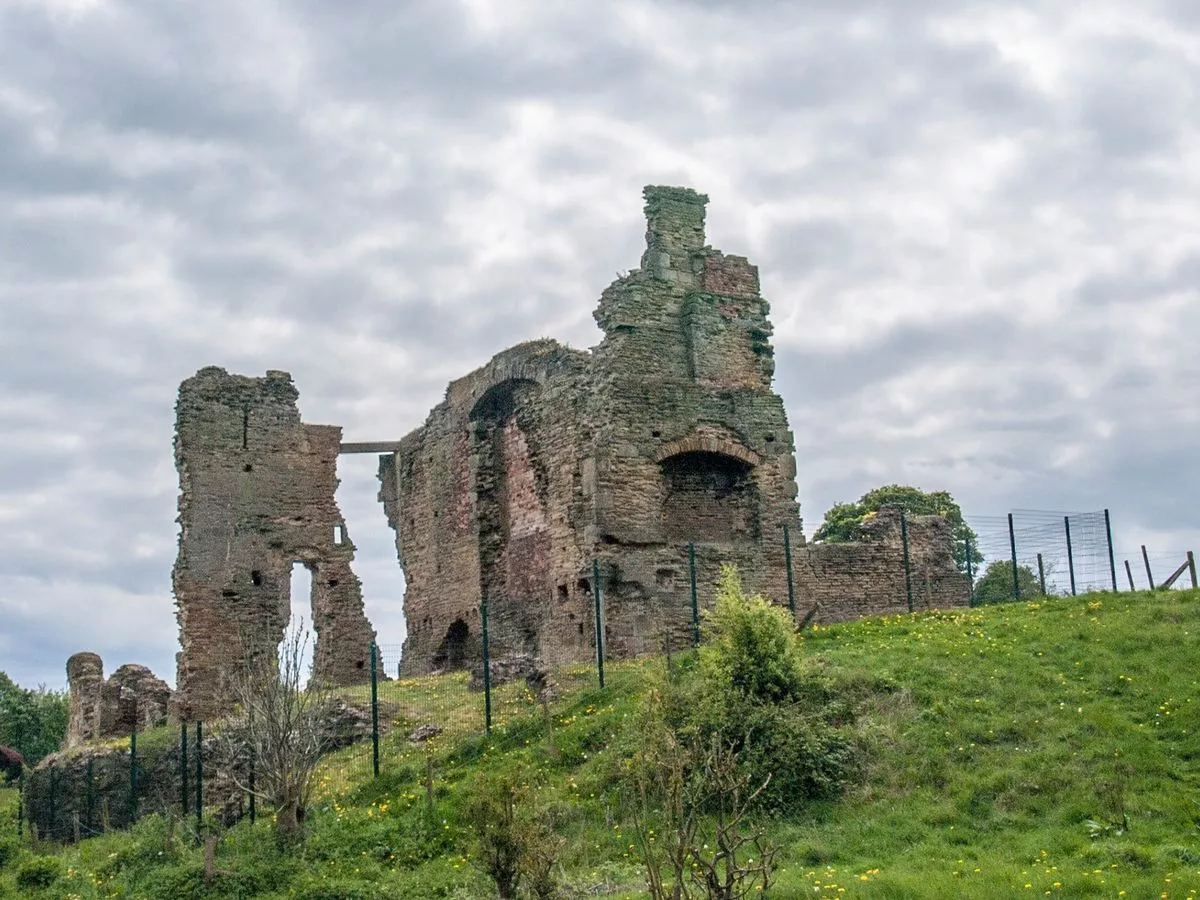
[{"x": 188, "y": 774}]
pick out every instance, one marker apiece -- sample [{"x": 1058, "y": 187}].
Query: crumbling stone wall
[
  {"x": 132, "y": 699},
  {"x": 841, "y": 581},
  {"x": 256, "y": 497}
]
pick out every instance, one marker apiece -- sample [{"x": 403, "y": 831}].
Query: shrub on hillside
[{"x": 38, "y": 872}]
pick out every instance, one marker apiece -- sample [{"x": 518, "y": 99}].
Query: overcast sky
[{"x": 978, "y": 224}]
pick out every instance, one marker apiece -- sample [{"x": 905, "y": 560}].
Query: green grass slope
[{"x": 1049, "y": 748}]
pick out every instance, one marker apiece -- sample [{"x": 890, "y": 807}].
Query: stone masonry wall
[
  {"x": 667, "y": 434},
  {"x": 837, "y": 582},
  {"x": 132, "y": 699},
  {"x": 256, "y": 497}
]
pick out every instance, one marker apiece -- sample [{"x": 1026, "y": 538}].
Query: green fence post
[
  {"x": 1041, "y": 574},
  {"x": 253, "y": 786},
  {"x": 374, "y": 711},
  {"x": 487, "y": 670},
  {"x": 1070, "y": 553},
  {"x": 970, "y": 573},
  {"x": 907, "y": 564},
  {"x": 599, "y": 620},
  {"x": 695, "y": 601},
  {"x": 1012, "y": 543},
  {"x": 1146, "y": 560},
  {"x": 199, "y": 776},
  {"x": 91, "y": 792},
  {"x": 1112, "y": 560},
  {"x": 183, "y": 768},
  {"x": 52, "y": 822},
  {"x": 133, "y": 803},
  {"x": 787, "y": 557}
]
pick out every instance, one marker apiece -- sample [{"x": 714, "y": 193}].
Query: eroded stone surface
[
  {"x": 257, "y": 497},
  {"x": 132, "y": 699},
  {"x": 669, "y": 432}
]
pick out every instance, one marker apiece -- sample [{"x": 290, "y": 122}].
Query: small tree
[
  {"x": 281, "y": 730},
  {"x": 844, "y": 521},
  {"x": 996, "y": 585},
  {"x": 32, "y": 722},
  {"x": 752, "y": 648},
  {"x": 514, "y": 843},
  {"x": 690, "y": 800}
]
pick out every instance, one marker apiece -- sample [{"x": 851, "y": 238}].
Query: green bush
[
  {"x": 752, "y": 650},
  {"x": 9, "y": 851},
  {"x": 752, "y": 691},
  {"x": 38, "y": 872}
]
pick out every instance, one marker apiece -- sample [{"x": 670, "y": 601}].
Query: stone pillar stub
[{"x": 85, "y": 682}]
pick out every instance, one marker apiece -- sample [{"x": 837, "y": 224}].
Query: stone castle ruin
[{"x": 538, "y": 470}]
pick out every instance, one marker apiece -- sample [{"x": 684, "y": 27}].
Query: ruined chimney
[{"x": 674, "y": 228}]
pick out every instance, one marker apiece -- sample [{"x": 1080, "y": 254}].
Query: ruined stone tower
[
  {"x": 257, "y": 496},
  {"x": 549, "y": 458}
]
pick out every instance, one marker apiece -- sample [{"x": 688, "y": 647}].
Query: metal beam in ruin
[{"x": 370, "y": 447}]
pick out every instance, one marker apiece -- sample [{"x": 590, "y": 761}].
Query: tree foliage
[
  {"x": 843, "y": 521},
  {"x": 996, "y": 585},
  {"x": 32, "y": 722}
]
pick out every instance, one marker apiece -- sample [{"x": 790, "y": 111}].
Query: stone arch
[{"x": 707, "y": 443}]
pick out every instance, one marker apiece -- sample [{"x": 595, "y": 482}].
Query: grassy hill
[{"x": 1049, "y": 748}]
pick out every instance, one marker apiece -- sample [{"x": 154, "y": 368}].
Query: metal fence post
[
  {"x": 374, "y": 711},
  {"x": 253, "y": 785},
  {"x": 52, "y": 823},
  {"x": 1070, "y": 553},
  {"x": 1129, "y": 575},
  {"x": 970, "y": 572},
  {"x": 199, "y": 775},
  {"x": 787, "y": 556},
  {"x": 1012, "y": 543},
  {"x": 183, "y": 768},
  {"x": 695, "y": 600},
  {"x": 487, "y": 669},
  {"x": 1146, "y": 560},
  {"x": 133, "y": 779},
  {"x": 1041, "y": 574},
  {"x": 91, "y": 792},
  {"x": 1112, "y": 560},
  {"x": 599, "y": 620},
  {"x": 907, "y": 565}
]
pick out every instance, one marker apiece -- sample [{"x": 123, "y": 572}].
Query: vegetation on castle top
[{"x": 844, "y": 521}]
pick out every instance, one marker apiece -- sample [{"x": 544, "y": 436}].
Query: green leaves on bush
[{"x": 38, "y": 872}]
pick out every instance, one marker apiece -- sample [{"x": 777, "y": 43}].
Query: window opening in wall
[
  {"x": 585, "y": 587},
  {"x": 247, "y": 468},
  {"x": 563, "y": 593},
  {"x": 709, "y": 497},
  {"x": 300, "y": 604},
  {"x": 339, "y": 534},
  {"x": 256, "y": 578}
]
